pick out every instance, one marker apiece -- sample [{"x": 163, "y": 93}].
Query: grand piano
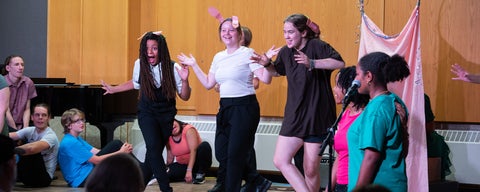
[{"x": 104, "y": 111}]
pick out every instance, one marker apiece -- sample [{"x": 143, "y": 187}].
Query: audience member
[
  {"x": 308, "y": 63},
  {"x": 354, "y": 106},
  {"x": 7, "y": 163},
  {"x": 436, "y": 146},
  {"x": 159, "y": 83},
  {"x": 378, "y": 138},
  {"x": 464, "y": 75},
  {"x": 38, "y": 156},
  {"x": 22, "y": 90},
  {"x": 76, "y": 157},
  {"x": 191, "y": 155},
  {"x": 4, "y": 100},
  {"x": 117, "y": 173},
  {"x": 239, "y": 112}
]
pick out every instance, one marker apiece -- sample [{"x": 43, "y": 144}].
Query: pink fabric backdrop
[{"x": 407, "y": 44}]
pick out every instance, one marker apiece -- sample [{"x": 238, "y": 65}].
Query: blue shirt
[{"x": 73, "y": 157}]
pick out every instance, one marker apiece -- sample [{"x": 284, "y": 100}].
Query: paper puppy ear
[{"x": 215, "y": 13}]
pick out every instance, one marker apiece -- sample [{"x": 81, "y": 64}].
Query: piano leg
[{"x": 107, "y": 130}]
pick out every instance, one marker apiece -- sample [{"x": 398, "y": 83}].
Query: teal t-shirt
[
  {"x": 379, "y": 128},
  {"x": 3, "y": 85}
]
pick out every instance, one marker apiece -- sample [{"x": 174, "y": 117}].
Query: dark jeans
[
  {"x": 32, "y": 172},
  {"x": 237, "y": 122},
  {"x": 203, "y": 162}
]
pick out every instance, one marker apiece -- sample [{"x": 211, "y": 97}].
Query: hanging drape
[{"x": 406, "y": 44}]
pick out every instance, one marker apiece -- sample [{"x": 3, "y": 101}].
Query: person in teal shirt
[
  {"x": 378, "y": 139},
  {"x": 4, "y": 100}
]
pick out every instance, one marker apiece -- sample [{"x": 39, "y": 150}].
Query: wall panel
[{"x": 448, "y": 32}]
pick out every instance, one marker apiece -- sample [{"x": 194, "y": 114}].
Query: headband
[
  {"x": 313, "y": 26},
  {"x": 215, "y": 13}
]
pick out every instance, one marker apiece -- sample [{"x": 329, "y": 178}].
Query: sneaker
[
  {"x": 199, "y": 178},
  {"x": 153, "y": 181}
]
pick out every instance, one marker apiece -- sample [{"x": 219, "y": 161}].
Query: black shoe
[
  {"x": 248, "y": 187},
  {"x": 264, "y": 186},
  {"x": 219, "y": 187}
]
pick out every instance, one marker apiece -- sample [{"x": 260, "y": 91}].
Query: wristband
[
  {"x": 189, "y": 169},
  {"x": 312, "y": 64},
  {"x": 268, "y": 64}
]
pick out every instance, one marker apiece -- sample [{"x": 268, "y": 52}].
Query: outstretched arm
[
  {"x": 463, "y": 75},
  {"x": 327, "y": 63},
  {"x": 208, "y": 81},
  {"x": 266, "y": 60},
  {"x": 109, "y": 89}
]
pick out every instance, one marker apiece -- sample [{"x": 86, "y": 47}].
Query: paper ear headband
[
  {"x": 215, "y": 13},
  {"x": 313, "y": 26},
  {"x": 154, "y": 32}
]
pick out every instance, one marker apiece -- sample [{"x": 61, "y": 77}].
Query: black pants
[
  {"x": 237, "y": 122},
  {"x": 32, "y": 172},
  {"x": 203, "y": 162},
  {"x": 111, "y": 147}
]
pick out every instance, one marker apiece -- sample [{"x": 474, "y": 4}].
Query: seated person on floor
[
  {"x": 76, "y": 157},
  {"x": 436, "y": 146},
  {"x": 193, "y": 157},
  {"x": 38, "y": 156},
  {"x": 119, "y": 173}
]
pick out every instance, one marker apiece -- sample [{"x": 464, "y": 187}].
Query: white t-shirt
[
  {"x": 234, "y": 72},
  {"x": 157, "y": 75},
  {"x": 49, "y": 136}
]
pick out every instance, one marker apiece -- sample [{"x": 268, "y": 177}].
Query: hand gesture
[
  {"x": 186, "y": 60},
  {"x": 126, "y": 148},
  {"x": 461, "y": 73},
  {"x": 183, "y": 71},
  {"x": 301, "y": 58},
  {"x": 264, "y": 59},
  {"x": 107, "y": 87}
]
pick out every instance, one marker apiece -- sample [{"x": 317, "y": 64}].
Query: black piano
[{"x": 104, "y": 111}]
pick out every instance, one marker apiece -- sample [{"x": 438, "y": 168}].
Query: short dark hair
[{"x": 120, "y": 173}]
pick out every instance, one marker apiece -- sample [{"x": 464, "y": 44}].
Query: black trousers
[
  {"x": 203, "y": 162},
  {"x": 237, "y": 122},
  {"x": 32, "y": 172}
]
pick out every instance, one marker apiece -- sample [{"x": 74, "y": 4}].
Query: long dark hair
[
  {"x": 345, "y": 78},
  {"x": 147, "y": 82}
]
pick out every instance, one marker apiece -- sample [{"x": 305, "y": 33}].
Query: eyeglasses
[{"x": 81, "y": 120}]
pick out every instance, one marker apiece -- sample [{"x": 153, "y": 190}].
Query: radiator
[
  {"x": 265, "y": 141},
  {"x": 464, "y": 154}
]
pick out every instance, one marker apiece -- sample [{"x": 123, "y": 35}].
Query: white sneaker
[{"x": 153, "y": 181}]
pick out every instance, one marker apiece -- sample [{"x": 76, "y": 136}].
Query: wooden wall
[{"x": 91, "y": 40}]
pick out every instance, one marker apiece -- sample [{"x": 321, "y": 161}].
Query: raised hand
[
  {"x": 301, "y": 58},
  {"x": 186, "y": 60},
  {"x": 461, "y": 73},
  {"x": 183, "y": 71}
]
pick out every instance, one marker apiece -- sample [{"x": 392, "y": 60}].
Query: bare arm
[
  {"x": 186, "y": 89},
  {"x": 109, "y": 89},
  {"x": 263, "y": 75},
  {"x": 192, "y": 145},
  {"x": 26, "y": 114},
  {"x": 368, "y": 168},
  {"x": 126, "y": 148},
  {"x": 464, "y": 75},
  {"x": 34, "y": 147},
  {"x": 327, "y": 63},
  {"x": 208, "y": 81},
  {"x": 10, "y": 121}
]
